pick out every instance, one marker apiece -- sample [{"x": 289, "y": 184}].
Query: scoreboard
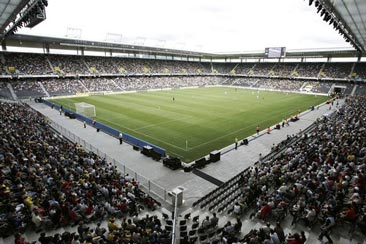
[{"x": 274, "y": 52}]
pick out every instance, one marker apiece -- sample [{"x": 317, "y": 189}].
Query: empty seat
[
  {"x": 192, "y": 232},
  {"x": 195, "y": 225},
  {"x": 165, "y": 216},
  {"x": 196, "y": 218}
]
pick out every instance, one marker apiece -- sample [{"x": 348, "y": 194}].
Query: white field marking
[
  {"x": 165, "y": 122},
  {"x": 172, "y": 145}
]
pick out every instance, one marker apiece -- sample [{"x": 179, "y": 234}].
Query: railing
[
  {"x": 175, "y": 219},
  {"x": 144, "y": 183}
]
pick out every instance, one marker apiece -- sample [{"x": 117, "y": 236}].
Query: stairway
[
  {"x": 83, "y": 85},
  {"x": 233, "y": 70},
  {"x": 295, "y": 69},
  {"x": 43, "y": 89},
  {"x": 302, "y": 87},
  {"x": 354, "y": 90},
  {"x": 12, "y": 92},
  {"x": 86, "y": 65},
  {"x": 116, "y": 84},
  {"x": 50, "y": 64},
  {"x": 352, "y": 69},
  {"x": 321, "y": 70}
]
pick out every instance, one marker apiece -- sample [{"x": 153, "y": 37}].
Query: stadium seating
[
  {"x": 80, "y": 74},
  {"x": 322, "y": 171},
  {"x": 47, "y": 182}
]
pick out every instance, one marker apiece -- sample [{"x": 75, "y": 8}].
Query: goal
[{"x": 85, "y": 109}]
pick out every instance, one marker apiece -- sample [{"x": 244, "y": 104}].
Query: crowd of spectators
[
  {"x": 285, "y": 69},
  {"x": 273, "y": 235},
  {"x": 25, "y": 63},
  {"x": 99, "y": 84},
  {"x": 223, "y": 68},
  {"x": 248, "y": 82},
  {"x": 143, "y": 83},
  {"x": 4, "y": 91},
  {"x": 243, "y": 68},
  {"x": 359, "y": 71},
  {"x": 67, "y": 86},
  {"x": 147, "y": 229},
  {"x": 40, "y": 64},
  {"x": 263, "y": 69},
  {"x": 337, "y": 70},
  {"x": 47, "y": 182},
  {"x": 27, "y": 88},
  {"x": 285, "y": 85},
  {"x": 308, "y": 69},
  {"x": 361, "y": 90},
  {"x": 69, "y": 65},
  {"x": 56, "y": 87},
  {"x": 320, "y": 178}
]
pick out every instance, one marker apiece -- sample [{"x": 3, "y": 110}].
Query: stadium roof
[
  {"x": 30, "y": 41},
  {"x": 352, "y": 14},
  {"x": 8, "y": 12}
]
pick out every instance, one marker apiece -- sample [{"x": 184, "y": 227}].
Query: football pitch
[{"x": 190, "y": 123}]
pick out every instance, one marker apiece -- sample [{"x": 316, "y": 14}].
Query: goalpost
[{"x": 85, "y": 109}]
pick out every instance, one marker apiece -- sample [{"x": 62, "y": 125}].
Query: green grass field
[{"x": 206, "y": 118}]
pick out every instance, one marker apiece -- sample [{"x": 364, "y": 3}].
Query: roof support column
[
  {"x": 3, "y": 46},
  {"x": 46, "y": 48}
]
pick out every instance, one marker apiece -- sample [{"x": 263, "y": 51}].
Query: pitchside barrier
[{"x": 109, "y": 130}]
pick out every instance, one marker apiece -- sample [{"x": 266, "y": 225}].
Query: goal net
[{"x": 85, "y": 109}]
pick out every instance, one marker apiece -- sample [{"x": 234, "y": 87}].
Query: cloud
[{"x": 220, "y": 26}]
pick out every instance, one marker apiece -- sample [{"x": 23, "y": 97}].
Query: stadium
[{"x": 125, "y": 142}]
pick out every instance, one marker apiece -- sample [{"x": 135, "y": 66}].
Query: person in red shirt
[
  {"x": 350, "y": 213},
  {"x": 124, "y": 206},
  {"x": 295, "y": 239},
  {"x": 265, "y": 211}
]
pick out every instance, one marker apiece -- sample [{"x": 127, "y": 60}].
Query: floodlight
[
  {"x": 322, "y": 13},
  {"x": 319, "y": 8}
]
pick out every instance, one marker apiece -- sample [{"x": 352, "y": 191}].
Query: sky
[{"x": 214, "y": 26}]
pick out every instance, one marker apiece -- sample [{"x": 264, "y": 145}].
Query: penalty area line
[{"x": 167, "y": 143}]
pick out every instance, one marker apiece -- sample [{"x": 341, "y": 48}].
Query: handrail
[{"x": 174, "y": 233}]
